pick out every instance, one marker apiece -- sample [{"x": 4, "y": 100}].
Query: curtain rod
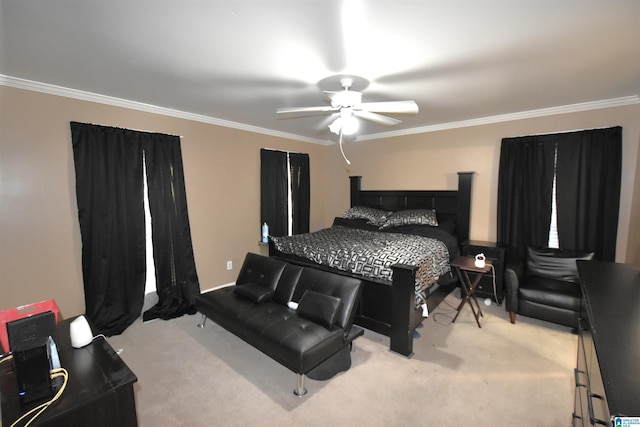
[
  {"x": 564, "y": 131},
  {"x": 153, "y": 131},
  {"x": 284, "y": 151},
  {"x": 141, "y": 130}
]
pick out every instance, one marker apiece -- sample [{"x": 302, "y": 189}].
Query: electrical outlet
[{"x": 229, "y": 265}]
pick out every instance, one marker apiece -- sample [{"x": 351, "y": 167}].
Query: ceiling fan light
[
  {"x": 350, "y": 125},
  {"x": 336, "y": 125}
]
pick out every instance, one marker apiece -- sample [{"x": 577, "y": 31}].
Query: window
[
  {"x": 284, "y": 192},
  {"x": 553, "y": 227},
  {"x": 579, "y": 172},
  {"x": 110, "y": 189},
  {"x": 150, "y": 287}
]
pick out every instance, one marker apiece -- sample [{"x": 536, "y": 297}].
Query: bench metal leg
[
  {"x": 300, "y": 390},
  {"x": 202, "y": 322}
]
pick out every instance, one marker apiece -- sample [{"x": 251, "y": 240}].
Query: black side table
[
  {"x": 465, "y": 265},
  {"x": 497, "y": 254}
]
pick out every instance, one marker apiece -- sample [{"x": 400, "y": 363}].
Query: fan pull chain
[{"x": 341, "y": 150}]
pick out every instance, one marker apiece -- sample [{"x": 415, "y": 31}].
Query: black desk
[{"x": 99, "y": 391}]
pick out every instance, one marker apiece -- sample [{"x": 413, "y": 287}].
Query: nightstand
[{"x": 497, "y": 255}]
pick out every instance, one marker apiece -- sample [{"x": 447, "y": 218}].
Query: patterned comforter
[{"x": 371, "y": 253}]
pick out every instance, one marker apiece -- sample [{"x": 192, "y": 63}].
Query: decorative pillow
[
  {"x": 253, "y": 292},
  {"x": 555, "y": 263},
  {"x": 372, "y": 215},
  {"x": 319, "y": 308},
  {"x": 411, "y": 217}
]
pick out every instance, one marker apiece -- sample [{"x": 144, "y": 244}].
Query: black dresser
[
  {"x": 608, "y": 366},
  {"x": 99, "y": 392}
]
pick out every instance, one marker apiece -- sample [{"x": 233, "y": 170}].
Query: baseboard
[{"x": 204, "y": 291}]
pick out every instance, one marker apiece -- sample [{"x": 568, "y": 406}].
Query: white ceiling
[{"x": 235, "y": 62}]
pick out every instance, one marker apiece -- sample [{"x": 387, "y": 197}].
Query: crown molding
[
  {"x": 564, "y": 109},
  {"x": 134, "y": 105},
  {"x": 140, "y": 106}
]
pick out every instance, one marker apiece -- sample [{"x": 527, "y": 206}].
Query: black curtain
[
  {"x": 109, "y": 190},
  {"x": 588, "y": 173},
  {"x": 588, "y": 190},
  {"x": 274, "y": 191},
  {"x": 176, "y": 277},
  {"x": 300, "y": 192},
  {"x": 525, "y": 189}
]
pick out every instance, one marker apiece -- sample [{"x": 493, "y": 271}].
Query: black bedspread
[{"x": 355, "y": 247}]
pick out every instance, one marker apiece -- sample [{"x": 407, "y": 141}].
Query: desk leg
[
  {"x": 465, "y": 297},
  {"x": 472, "y": 294},
  {"x": 469, "y": 289}
]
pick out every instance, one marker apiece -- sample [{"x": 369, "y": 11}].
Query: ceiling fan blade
[
  {"x": 403, "y": 107},
  {"x": 377, "y": 118},
  {"x": 305, "y": 109}
]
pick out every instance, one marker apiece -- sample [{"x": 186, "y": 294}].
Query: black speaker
[
  {"x": 22, "y": 331},
  {"x": 32, "y": 360}
]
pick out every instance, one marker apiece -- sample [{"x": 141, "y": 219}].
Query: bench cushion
[
  {"x": 319, "y": 308},
  {"x": 263, "y": 271},
  {"x": 255, "y": 293}
]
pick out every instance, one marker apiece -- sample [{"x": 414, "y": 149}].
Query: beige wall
[
  {"x": 39, "y": 233},
  {"x": 432, "y": 160}
]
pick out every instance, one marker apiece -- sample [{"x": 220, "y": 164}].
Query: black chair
[{"x": 545, "y": 286}]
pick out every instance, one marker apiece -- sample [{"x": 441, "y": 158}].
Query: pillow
[
  {"x": 448, "y": 225},
  {"x": 372, "y": 215},
  {"x": 319, "y": 308},
  {"x": 555, "y": 263},
  {"x": 360, "y": 224},
  {"x": 411, "y": 217},
  {"x": 253, "y": 292}
]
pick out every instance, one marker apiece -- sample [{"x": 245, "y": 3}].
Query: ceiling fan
[{"x": 347, "y": 106}]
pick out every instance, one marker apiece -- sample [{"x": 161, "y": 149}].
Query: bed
[{"x": 414, "y": 276}]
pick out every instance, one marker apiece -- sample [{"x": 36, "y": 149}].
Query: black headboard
[{"x": 449, "y": 204}]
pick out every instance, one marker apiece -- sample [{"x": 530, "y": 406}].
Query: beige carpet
[{"x": 500, "y": 375}]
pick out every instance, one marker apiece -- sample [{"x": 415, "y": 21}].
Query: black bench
[{"x": 313, "y": 339}]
